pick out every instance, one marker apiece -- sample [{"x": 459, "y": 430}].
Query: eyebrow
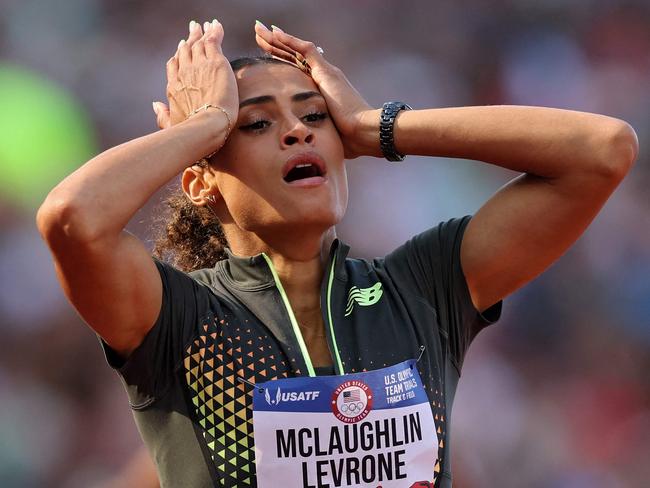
[{"x": 298, "y": 97}]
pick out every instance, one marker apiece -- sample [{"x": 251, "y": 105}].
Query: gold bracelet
[{"x": 205, "y": 107}]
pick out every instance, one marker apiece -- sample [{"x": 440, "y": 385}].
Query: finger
[
  {"x": 274, "y": 51},
  {"x": 172, "y": 68},
  {"x": 278, "y": 42},
  {"x": 306, "y": 48},
  {"x": 198, "y": 50},
  {"x": 163, "y": 118},
  {"x": 195, "y": 33},
  {"x": 302, "y": 54},
  {"x": 272, "y": 44},
  {"x": 213, "y": 38},
  {"x": 184, "y": 54}
]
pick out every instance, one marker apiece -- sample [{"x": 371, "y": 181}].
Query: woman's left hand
[{"x": 356, "y": 121}]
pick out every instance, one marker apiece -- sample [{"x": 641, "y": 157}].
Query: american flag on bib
[{"x": 352, "y": 395}]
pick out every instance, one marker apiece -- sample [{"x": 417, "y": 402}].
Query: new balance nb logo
[{"x": 363, "y": 296}]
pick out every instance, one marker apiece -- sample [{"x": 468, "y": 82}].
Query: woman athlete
[{"x": 277, "y": 299}]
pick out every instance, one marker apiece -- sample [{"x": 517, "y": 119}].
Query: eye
[
  {"x": 256, "y": 126},
  {"x": 315, "y": 116}
]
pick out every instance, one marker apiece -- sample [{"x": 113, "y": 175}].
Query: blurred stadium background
[{"x": 557, "y": 395}]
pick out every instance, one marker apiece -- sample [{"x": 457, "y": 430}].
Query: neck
[{"x": 299, "y": 259}]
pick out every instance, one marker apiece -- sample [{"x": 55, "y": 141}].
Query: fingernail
[
  {"x": 193, "y": 25},
  {"x": 155, "y": 108},
  {"x": 180, "y": 44},
  {"x": 257, "y": 22},
  {"x": 206, "y": 26},
  {"x": 275, "y": 27}
]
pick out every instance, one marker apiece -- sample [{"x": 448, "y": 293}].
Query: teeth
[{"x": 303, "y": 165}]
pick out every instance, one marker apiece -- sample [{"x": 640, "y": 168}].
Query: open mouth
[{"x": 304, "y": 169}]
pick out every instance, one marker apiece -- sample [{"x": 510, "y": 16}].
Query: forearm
[
  {"x": 546, "y": 142},
  {"x": 101, "y": 196}
]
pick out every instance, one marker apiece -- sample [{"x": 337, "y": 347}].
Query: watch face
[{"x": 390, "y": 109}]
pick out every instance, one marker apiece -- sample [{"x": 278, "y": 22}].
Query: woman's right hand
[{"x": 197, "y": 74}]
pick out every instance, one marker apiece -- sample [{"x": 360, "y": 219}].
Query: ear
[{"x": 198, "y": 186}]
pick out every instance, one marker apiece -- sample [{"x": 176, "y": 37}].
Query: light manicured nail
[
  {"x": 155, "y": 109},
  {"x": 257, "y": 22},
  {"x": 206, "y": 26},
  {"x": 181, "y": 43},
  {"x": 193, "y": 25},
  {"x": 275, "y": 27}
]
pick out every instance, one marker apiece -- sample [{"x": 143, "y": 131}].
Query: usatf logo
[
  {"x": 289, "y": 396},
  {"x": 363, "y": 296},
  {"x": 352, "y": 401}
]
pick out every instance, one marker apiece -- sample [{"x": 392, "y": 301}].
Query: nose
[{"x": 297, "y": 133}]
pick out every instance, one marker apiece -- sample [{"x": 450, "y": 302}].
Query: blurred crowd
[{"x": 555, "y": 395}]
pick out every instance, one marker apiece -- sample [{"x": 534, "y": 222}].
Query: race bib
[{"x": 371, "y": 429}]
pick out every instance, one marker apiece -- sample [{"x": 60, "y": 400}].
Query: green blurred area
[{"x": 44, "y": 135}]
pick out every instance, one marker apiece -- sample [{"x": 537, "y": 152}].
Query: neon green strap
[
  {"x": 329, "y": 316},
  {"x": 292, "y": 317}
]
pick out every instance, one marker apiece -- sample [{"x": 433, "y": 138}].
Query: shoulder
[{"x": 173, "y": 275}]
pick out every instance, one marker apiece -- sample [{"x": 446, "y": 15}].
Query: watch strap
[{"x": 389, "y": 113}]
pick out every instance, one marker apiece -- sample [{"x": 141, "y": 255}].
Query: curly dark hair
[{"x": 190, "y": 237}]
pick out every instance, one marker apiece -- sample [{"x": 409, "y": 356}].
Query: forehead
[{"x": 272, "y": 79}]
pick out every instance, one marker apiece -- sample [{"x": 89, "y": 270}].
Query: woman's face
[{"x": 283, "y": 122}]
